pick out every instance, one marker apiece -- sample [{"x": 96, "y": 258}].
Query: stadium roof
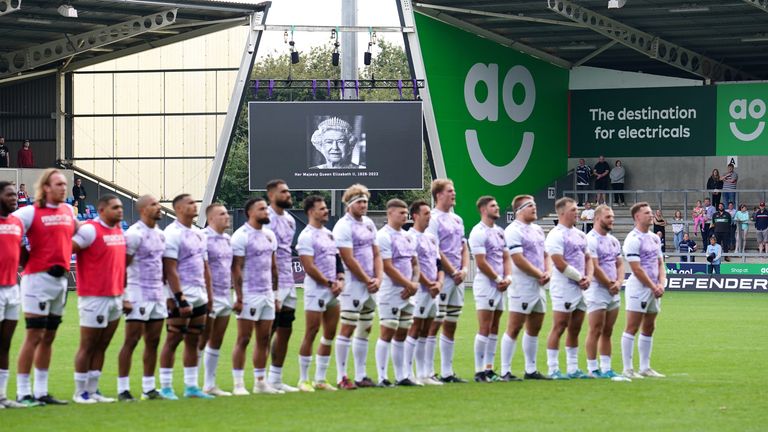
[
  {"x": 721, "y": 40},
  {"x": 37, "y": 36}
]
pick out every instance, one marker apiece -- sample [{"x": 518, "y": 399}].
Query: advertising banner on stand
[
  {"x": 638, "y": 122},
  {"x": 501, "y": 115},
  {"x": 741, "y": 117}
]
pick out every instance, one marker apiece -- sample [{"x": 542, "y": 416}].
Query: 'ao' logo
[
  {"x": 739, "y": 110},
  {"x": 489, "y": 110}
]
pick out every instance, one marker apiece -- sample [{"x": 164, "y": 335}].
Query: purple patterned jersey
[
  {"x": 448, "y": 228},
  {"x": 607, "y": 250},
  {"x": 360, "y": 236},
  {"x": 188, "y": 247},
  {"x": 488, "y": 241},
  {"x": 426, "y": 250},
  {"x": 571, "y": 243},
  {"x": 398, "y": 246},
  {"x": 220, "y": 262},
  {"x": 320, "y": 245},
  {"x": 257, "y": 246},
  {"x": 284, "y": 227},
  {"x": 145, "y": 273}
]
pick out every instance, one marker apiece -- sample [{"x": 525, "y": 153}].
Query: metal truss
[
  {"x": 648, "y": 44},
  {"x": 9, "y": 6},
  {"x": 760, "y": 4},
  {"x": 50, "y": 52}
]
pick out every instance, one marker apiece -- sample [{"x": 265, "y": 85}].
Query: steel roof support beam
[
  {"x": 504, "y": 16},
  {"x": 760, "y": 4},
  {"x": 648, "y": 44},
  {"x": 449, "y": 19},
  {"x": 9, "y": 6},
  {"x": 595, "y": 53},
  {"x": 31, "y": 58}
]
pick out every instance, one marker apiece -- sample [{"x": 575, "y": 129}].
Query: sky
[{"x": 326, "y": 13}]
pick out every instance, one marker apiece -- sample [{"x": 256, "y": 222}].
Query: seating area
[{"x": 91, "y": 213}]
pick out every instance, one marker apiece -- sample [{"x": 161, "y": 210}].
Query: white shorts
[
  {"x": 487, "y": 296},
  {"x": 393, "y": 308},
  {"x": 10, "y": 302},
  {"x": 287, "y": 297},
  {"x": 599, "y": 298},
  {"x": 319, "y": 299},
  {"x": 259, "y": 307},
  {"x": 43, "y": 294},
  {"x": 97, "y": 312},
  {"x": 567, "y": 299},
  {"x": 196, "y": 296},
  {"x": 641, "y": 299},
  {"x": 355, "y": 297},
  {"x": 425, "y": 306},
  {"x": 148, "y": 311},
  {"x": 222, "y": 306},
  {"x": 526, "y": 299},
  {"x": 452, "y": 294}
]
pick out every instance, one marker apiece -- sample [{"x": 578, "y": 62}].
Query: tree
[{"x": 390, "y": 62}]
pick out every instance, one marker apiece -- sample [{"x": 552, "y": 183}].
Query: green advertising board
[
  {"x": 500, "y": 115},
  {"x": 741, "y": 117},
  {"x": 743, "y": 269},
  {"x": 638, "y": 122}
]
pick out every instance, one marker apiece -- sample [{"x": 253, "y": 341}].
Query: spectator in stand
[
  {"x": 5, "y": 154},
  {"x": 714, "y": 253},
  {"x": 25, "y": 158},
  {"x": 617, "y": 182},
  {"x": 583, "y": 177},
  {"x": 698, "y": 217},
  {"x": 78, "y": 192},
  {"x": 729, "y": 185},
  {"x": 602, "y": 181},
  {"x": 660, "y": 226},
  {"x": 742, "y": 227},
  {"x": 587, "y": 216},
  {"x": 23, "y": 198},
  {"x": 678, "y": 228},
  {"x": 709, "y": 212},
  {"x": 731, "y": 210},
  {"x": 761, "y": 226},
  {"x": 687, "y": 246},
  {"x": 715, "y": 185},
  {"x": 721, "y": 224}
]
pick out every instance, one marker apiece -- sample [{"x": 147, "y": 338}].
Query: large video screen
[{"x": 332, "y": 145}]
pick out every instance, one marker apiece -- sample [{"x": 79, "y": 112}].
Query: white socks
[
  {"x": 420, "y": 354},
  {"x": 147, "y": 383},
  {"x": 553, "y": 360},
  {"x": 382, "y": 359},
  {"x": 211, "y": 362},
  {"x": 166, "y": 377},
  {"x": 592, "y": 365},
  {"x": 275, "y": 375},
  {"x": 342, "y": 353},
  {"x": 3, "y": 382},
  {"x": 398, "y": 359},
  {"x": 304, "y": 363},
  {"x": 322, "y": 367},
  {"x": 572, "y": 359},
  {"x": 123, "y": 384},
  {"x": 81, "y": 379},
  {"x": 258, "y": 375},
  {"x": 190, "y": 376},
  {"x": 480, "y": 344},
  {"x": 92, "y": 386},
  {"x": 360, "y": 353},
  {"x": 429, "y": 355},
  {"x": 410, "y": 350},
  {"x": 530, "y": 346},
  {"x": 446, "y": 356},
  {"x": 627, "y": 350},
  {"x": 644, "y": 347},
  {"x": 490, "y": 350},
  {"x": 605, "y": 363},
  {"x": 508, "y": 346},
  {"x": 41, "y": 382},
  {"x": 23, "y": 387},
  {"x": 237, "y": 378}
]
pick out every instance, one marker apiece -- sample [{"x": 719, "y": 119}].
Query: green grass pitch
[{"x": 712, "y": 346}]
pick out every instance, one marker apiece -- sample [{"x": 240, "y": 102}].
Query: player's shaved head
[{"x": 144, "y": 201}]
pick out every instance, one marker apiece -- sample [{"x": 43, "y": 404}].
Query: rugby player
[
  {"x": 401, "y": 276},
  {"x": 254, "y": 275},
  {"x": 567, "y": 246},
  {"x": 220, "y": 263},
  {"x": 190, "y": 297},
  {"x": 642, "y": 249},
  {"x": 602, "y": 297},
  {"x": 100, "y": 248},
  {"x": 486, "y": 242},
  {"x": 49, "y": 225},
  {"x": 355, "y": 236},
  {"x": 323, "y": 283},
  {"x": 145, "y": 244},
  {"x": 448, "y": 228},
  {"x": 431, "y": 277},
  {"x": 526, "y": 300}
]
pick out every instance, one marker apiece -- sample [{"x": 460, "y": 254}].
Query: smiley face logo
[{"x": 741, "y": 109}]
